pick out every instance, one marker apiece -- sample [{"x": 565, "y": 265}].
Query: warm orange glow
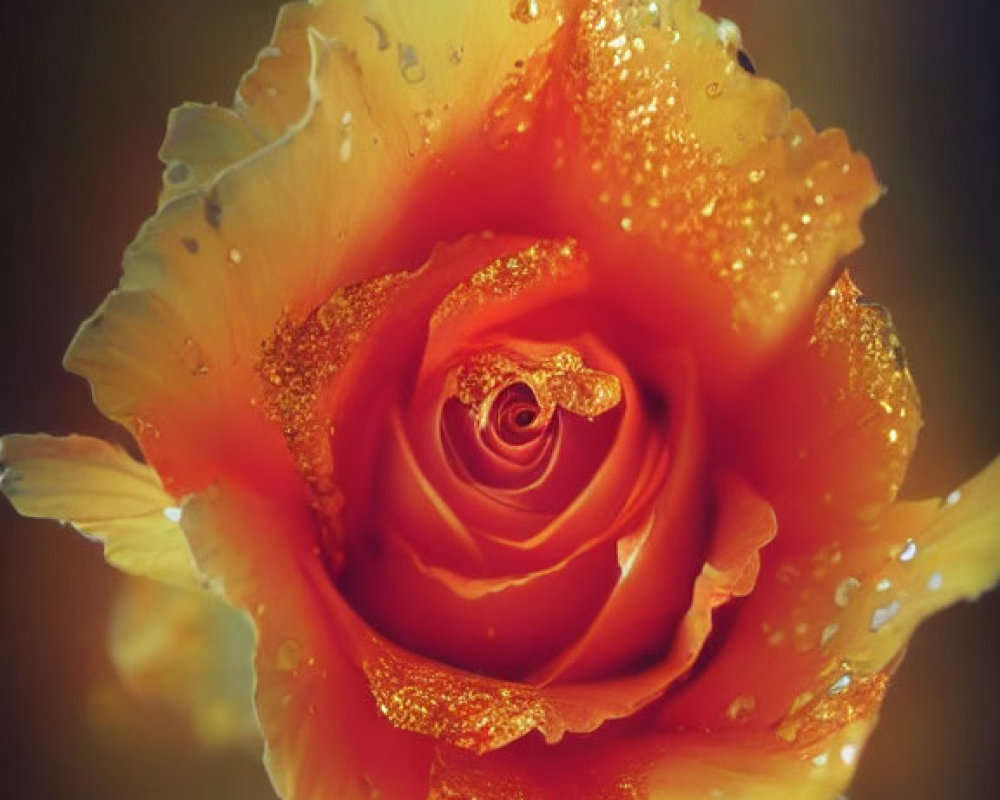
[{"x": 487, "y": 360}]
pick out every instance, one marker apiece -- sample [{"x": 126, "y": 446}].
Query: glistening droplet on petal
[
  {"x": 845, "y": 590},
  {"x": 288, "y": 656},
  {"x": 882, "y": 615},
  {"x": 828, "y": 633},
  {"x": 741, "y": 708},
  {"x": 410, "y": 66},
  {"x": 525, "y": 10},
  {"x": 909, "y": 551}
]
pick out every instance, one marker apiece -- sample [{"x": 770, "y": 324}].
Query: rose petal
[
  {"x": 358, "y": 406},
  {"x": 833, "y": 423},
  {"x": 730, "y": 211},
  {"x": 642, "y": 765},
  {"x": 504, "y": 626},
  {"x": 819, "y": 639},
  {"x": 106, "y": 495},
  {"x": 536, "y": 524},
  {"x": 332, "y": 697},
  {"x": 652, "y": 592},
  {"x": 279, "y": 230},
  {"x": 190, "y": 650},
  {"x": 745, "y": 523},
  {"x": 324, "y": 736}
]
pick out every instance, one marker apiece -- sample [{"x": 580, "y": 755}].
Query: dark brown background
[{"x": 85, "y": 90}]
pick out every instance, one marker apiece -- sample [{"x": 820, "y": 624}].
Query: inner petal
[{"x": 527, "y": 430}]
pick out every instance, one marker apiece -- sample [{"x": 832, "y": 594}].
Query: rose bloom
[{"x": 494, "y": 362}]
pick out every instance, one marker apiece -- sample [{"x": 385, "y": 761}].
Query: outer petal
[
  {"x": 106, "y": 495},
  {"x": 697, "y": 176},
  {"x": 339, "y": 126},
  {"x": 332, "y": 696},
  {"x": 850, "y": 574},
  {"x": 190, "y": 650},
  {"x": 830, "y": 427},
  {"x": 631, "y": 765},
  {"x": 324, "y": 736},
  {"x": 813, "y": 650}
]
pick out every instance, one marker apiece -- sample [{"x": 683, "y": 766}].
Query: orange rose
[{"x": 494, "y": 360}]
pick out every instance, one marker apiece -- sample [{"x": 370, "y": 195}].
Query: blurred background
[{"x": 86, "y": 91}]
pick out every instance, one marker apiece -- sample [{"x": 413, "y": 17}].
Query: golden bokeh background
[{"x": 85, "y": 93}]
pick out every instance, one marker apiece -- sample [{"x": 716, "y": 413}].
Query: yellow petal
[
  {"x": 191, "y": 651},
  {"x": 828, "y": 429},
  {"x": 106, "y": 495},
  {"x": 820, "y": 638},
  {"x": 949, "y": 552},
  {"x": 699, "y": 172},
  {"x": 342, "y": 116},
  {"x": 324, "y": 736},
  {"x": 650, "y": 766}
]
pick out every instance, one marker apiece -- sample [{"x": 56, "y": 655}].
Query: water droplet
[
  {"x": 839, "y": 686},
  {"x": 525, "y": 10},
  {"x": 882, "y": 614},
  {"x": 953, "y": 498},
  {"x": 178, "y": 172},
  {"x": 346, "y": 144},
  {"x": 709, "y": 208},
  {"x": 909, "y": 551},
  {"x": 288, "y": 656},
  {"x": 173, "y": 513},
  {"x": 883, "y": 585},
  {"x": 934, "y": 581},
  {"x": 194, "y": 359},
  {"x": 741, "y": 708},
  {"x": 626, "y": 223},
  {"x": 346, "y": 147},
  {"x": 849, "y": 753},
  {"x": 728, "y": 33},
  {"x": 828, "y": 633},
  {"x": 410, "y": 67},
  {"x": 821, "y": 759},
  {"x": 756, "y": 175},
  {"x": 235, "y": 257},
  {"x": 843, "y": 592},
  {"x": 713, "y": 89}
]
